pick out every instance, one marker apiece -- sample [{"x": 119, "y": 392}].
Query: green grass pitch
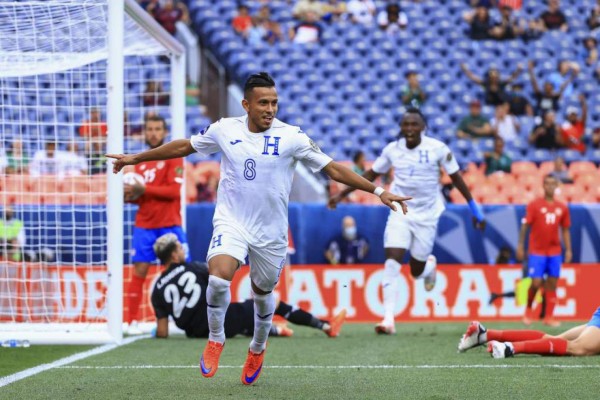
[{"x": 419, "y": 362}]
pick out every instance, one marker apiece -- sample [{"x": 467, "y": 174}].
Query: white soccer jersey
[
  {"x": 256, "y": 175},
  {"x": 417, "y": 174}
]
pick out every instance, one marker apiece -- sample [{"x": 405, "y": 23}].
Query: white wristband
[{"x": 378, "y": 191}]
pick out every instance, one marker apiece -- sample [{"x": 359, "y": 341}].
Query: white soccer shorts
[
  {"x": 266, "y": 263},
  {"x": 402, "y": 232}
]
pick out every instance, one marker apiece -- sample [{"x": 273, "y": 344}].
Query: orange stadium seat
[
  {"x": 474, "y": 179},
  {"x": 546, "y": 167},
  {"x": 529, "y": 182},
  {"x": 500, "y": 180},
  {"x": 496, "y": 198},
  {"x": 17, "y": 183},
  {"x": 57, "y": 198},
  {"x": 47, "y": 184},
  {"x": 474, "y": 168},
  {"x": 98, "y": 184},
  {"x": 582, "y": 167},
  {"x": 484, "y": 191},
  {"x": 586, "y": 198},
  {"x": 457, "y": 197},
  {"x": 570, "y": 192},
  {"x": 588, "y": 180},
  {"x": 524, "y": 168}
]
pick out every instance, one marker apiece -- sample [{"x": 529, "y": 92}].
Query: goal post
[{"x": 73, "y": 76}]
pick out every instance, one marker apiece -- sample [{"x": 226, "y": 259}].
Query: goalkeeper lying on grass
[{"x": 180, "y": 292}]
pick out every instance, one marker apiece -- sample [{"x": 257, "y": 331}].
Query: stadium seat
[
  {"x": 501, "y": 180},
  {"x": 546, "y": 167},
  {"x": 495, "y": 198},
  {"x": 588, "y": 180},
  {"x": 524, "y": 168},
  {"x": 529, "y": 182},
  {"x": 456, "y": 197},
  {"x": 577, "y": 168},
  {"x": 571, "y": 192}
]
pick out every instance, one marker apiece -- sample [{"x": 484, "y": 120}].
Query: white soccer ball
[{"x": 133, "y": 178}]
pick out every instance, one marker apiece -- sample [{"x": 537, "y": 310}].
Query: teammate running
[
  {"x": 180, "y": 292},
  {"x": 545, "y": 215},
  {"x": 259, "y": 156},
  {"x": 583, "y": 340},
  {"x": 416, "y": 160}
]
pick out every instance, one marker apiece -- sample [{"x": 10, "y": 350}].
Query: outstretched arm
[
  {"x": 534, "y": 82},
  {"x": 470, "y": 75},
  {"x": 339, "y": 173},
  {"x": 175, "y": 149},
  {"x": 459, "y": 183},
  {"x": 515, "y": 74},
  {"x": 369, "y": 175},
  {"x": 584, "y": 110}
]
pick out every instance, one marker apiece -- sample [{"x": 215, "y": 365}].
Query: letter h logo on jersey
[
  {"x": 424, "y": 155},
  {"x": 216, "y": 241},
  {"x": 274, "y": 145}
]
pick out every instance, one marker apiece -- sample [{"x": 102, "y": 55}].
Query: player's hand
[
  {"x": 479, "y": 224},
  {"x": 133, "y": 192},
  {"x": 568, "y": 256},
  {"x": 333, "y": 201},
  {"x": 121, "y": 161},
  {"x": 520, "y": 254},
  {"x": 389, "y": 199}
]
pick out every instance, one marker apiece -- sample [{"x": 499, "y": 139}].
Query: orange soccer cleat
[
  {"x": 335, "y": 325},
  {"x": 283, "y": 330},
  {"x": 252, "y": 367},
  {"x": 209, "y": 360}
]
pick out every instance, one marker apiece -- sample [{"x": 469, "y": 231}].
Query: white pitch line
[
  {"x": 61, "y": 363},
  {"x": 456, "y": 366}
]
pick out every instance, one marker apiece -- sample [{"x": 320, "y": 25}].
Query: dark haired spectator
[
  {"x": 271, "y": 28},
  {"x": 18, "y": 161},
  {"x": 392, "y": 19},
  {"x": 551, "y": 19},
  {"x": 596, "y": 138},
  {"x": 358, "y": 162},
  {"x": 155, "y": 95},
  {"x": 479, "y": 22},
  {"x": 497, "y": 160},
  {"x": 593, "y": 20},
  {"x": 334, "y": 10},
  {"x": 362, "y": 11},
  {"x": 242, "y": 22},
  {"x": 508, "y": 27},
  {"x": 518, "y": 103},
  {"x": 590, "y": 51},
  {"x": 572, "y": 131},
  {"x": 564, "y": 71},
  {"x": 561, "y": 172},
  {"x": 483, "y": 3},
  {"x": 171, "y": 12},
  {"x": 307, "y": 31},
  {"x": 545, "y": 134},
  {"x": 94, "y": 127},
  {"x": 348, "y": 248},
  {"x": 493, "y": 85},
  {"x": 412, "y": 94},
  {"x": 546, "y": 99},
  {"x": 505, "y": 125},
  {"x": 474, "y": 125},
  {"x": 303, "y": 7}
]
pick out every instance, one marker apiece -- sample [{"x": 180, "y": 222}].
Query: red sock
[
  {"x": 530, "y": 296},
  {"x": 134, "y": 292},
  {"x": 557, "y": 347},
  {"x": 513, "y": 336},
  {"x": 550, "y": 303}
]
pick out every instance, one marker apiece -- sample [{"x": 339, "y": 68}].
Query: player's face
[
  {"x": 550, "y": 185},
  {"x": 179, "y": 254},
  {"x": 155, "y": 133},
  {"x": 261, "y": 107},
  {"x": 411, "y": 128}
]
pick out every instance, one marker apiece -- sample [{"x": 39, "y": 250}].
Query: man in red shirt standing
[
  {"x": 573, "y": 129},
  {"x": 159, "y": 213},
  {"x": 545, "y": 216}
]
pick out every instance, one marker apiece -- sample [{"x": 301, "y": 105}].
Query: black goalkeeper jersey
[{"x": 180, "y": 292}]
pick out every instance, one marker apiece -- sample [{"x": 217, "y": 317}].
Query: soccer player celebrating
[
  {"x": 416, "y": 160},
  {"x": 259, "y": 155},
  {"x": 545, "y": 216},
  {"x": 180, "y": 292},
  {"x": 583, "y": 340},
  {"x": 159, "y": 212}
]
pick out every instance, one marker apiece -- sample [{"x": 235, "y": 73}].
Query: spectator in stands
[
  {"x": 546, "y": 100},
  {"x": 94, "y": 127},
  {"x": 545, "y": 135},
  {"x": 494, "y": 86},
  {"x": 561, "y": 172},
  {"x": 474, "y": 125},
  {"x": 18, "y": 162},
  {"x": 273, "y": 28},
  {"x": 171, "y": 12},
  {"x": 242, "y": 22},
  {"x": 551, "y": 19},
  {"x": 358, "y": 162},
  {"x": 155, "y": 95},
  {"x": 50, "y": 161},
  {"x": 307, "y": 31},
  {"x": 412, "y": 94},
  {"x": 350, "y": 247},
  {"x": 479, "y": 22},
  {"x": 3, "y": 160},
  {"x": 75, "y": 163},
  {"x": 334, "y": 10},
  {"x": 497, "y": 160},
  {"x": 596, "y": 138},
  {"x": 362, "y": 11},
  {"x": 590, "y": 53},
  {"x": 257, "y": 32},
  {"x": 518, "y": 104},
  {"x": 508, "y": 27},
  {"x": 593, "y": 21},
  {"x": 572, "y": 131},
  {"x": 12, "y": 236},
  {"x": 514, "y": 4},
  {"x": 504, "y": 124},
  {"x": 206, "y": 187},
  {"x": 392, "y": 19},
  {"x": 96, "y": 159},
  {"x": 504, "y": 256},
  {"x": 565, "y": 71},
  {"x": 303, "y": 7}
]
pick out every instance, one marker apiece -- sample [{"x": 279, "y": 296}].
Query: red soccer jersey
[
  {"x": 160, "y": 205},
  {"x": 545, "y": 217}
]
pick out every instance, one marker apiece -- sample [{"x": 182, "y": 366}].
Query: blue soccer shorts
[
  {"x": 595, "y": 321},
  {"x": 544, "y": 265},
  {"x": 143, "y": 242}
]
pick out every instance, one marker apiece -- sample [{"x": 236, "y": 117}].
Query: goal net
[{"x": 57, "y": 283}]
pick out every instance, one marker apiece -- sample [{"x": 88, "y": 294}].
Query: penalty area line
[
  {"x": 61, "y": 363},
  {"x": 457, "y": 366}
]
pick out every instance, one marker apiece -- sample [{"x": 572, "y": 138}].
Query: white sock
[
  {"x": 218, "y": 297},
  {"x": 390, "y": 289},
  {"x": 264, "y": 307},
  {"x": 430, "y": 265}
]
